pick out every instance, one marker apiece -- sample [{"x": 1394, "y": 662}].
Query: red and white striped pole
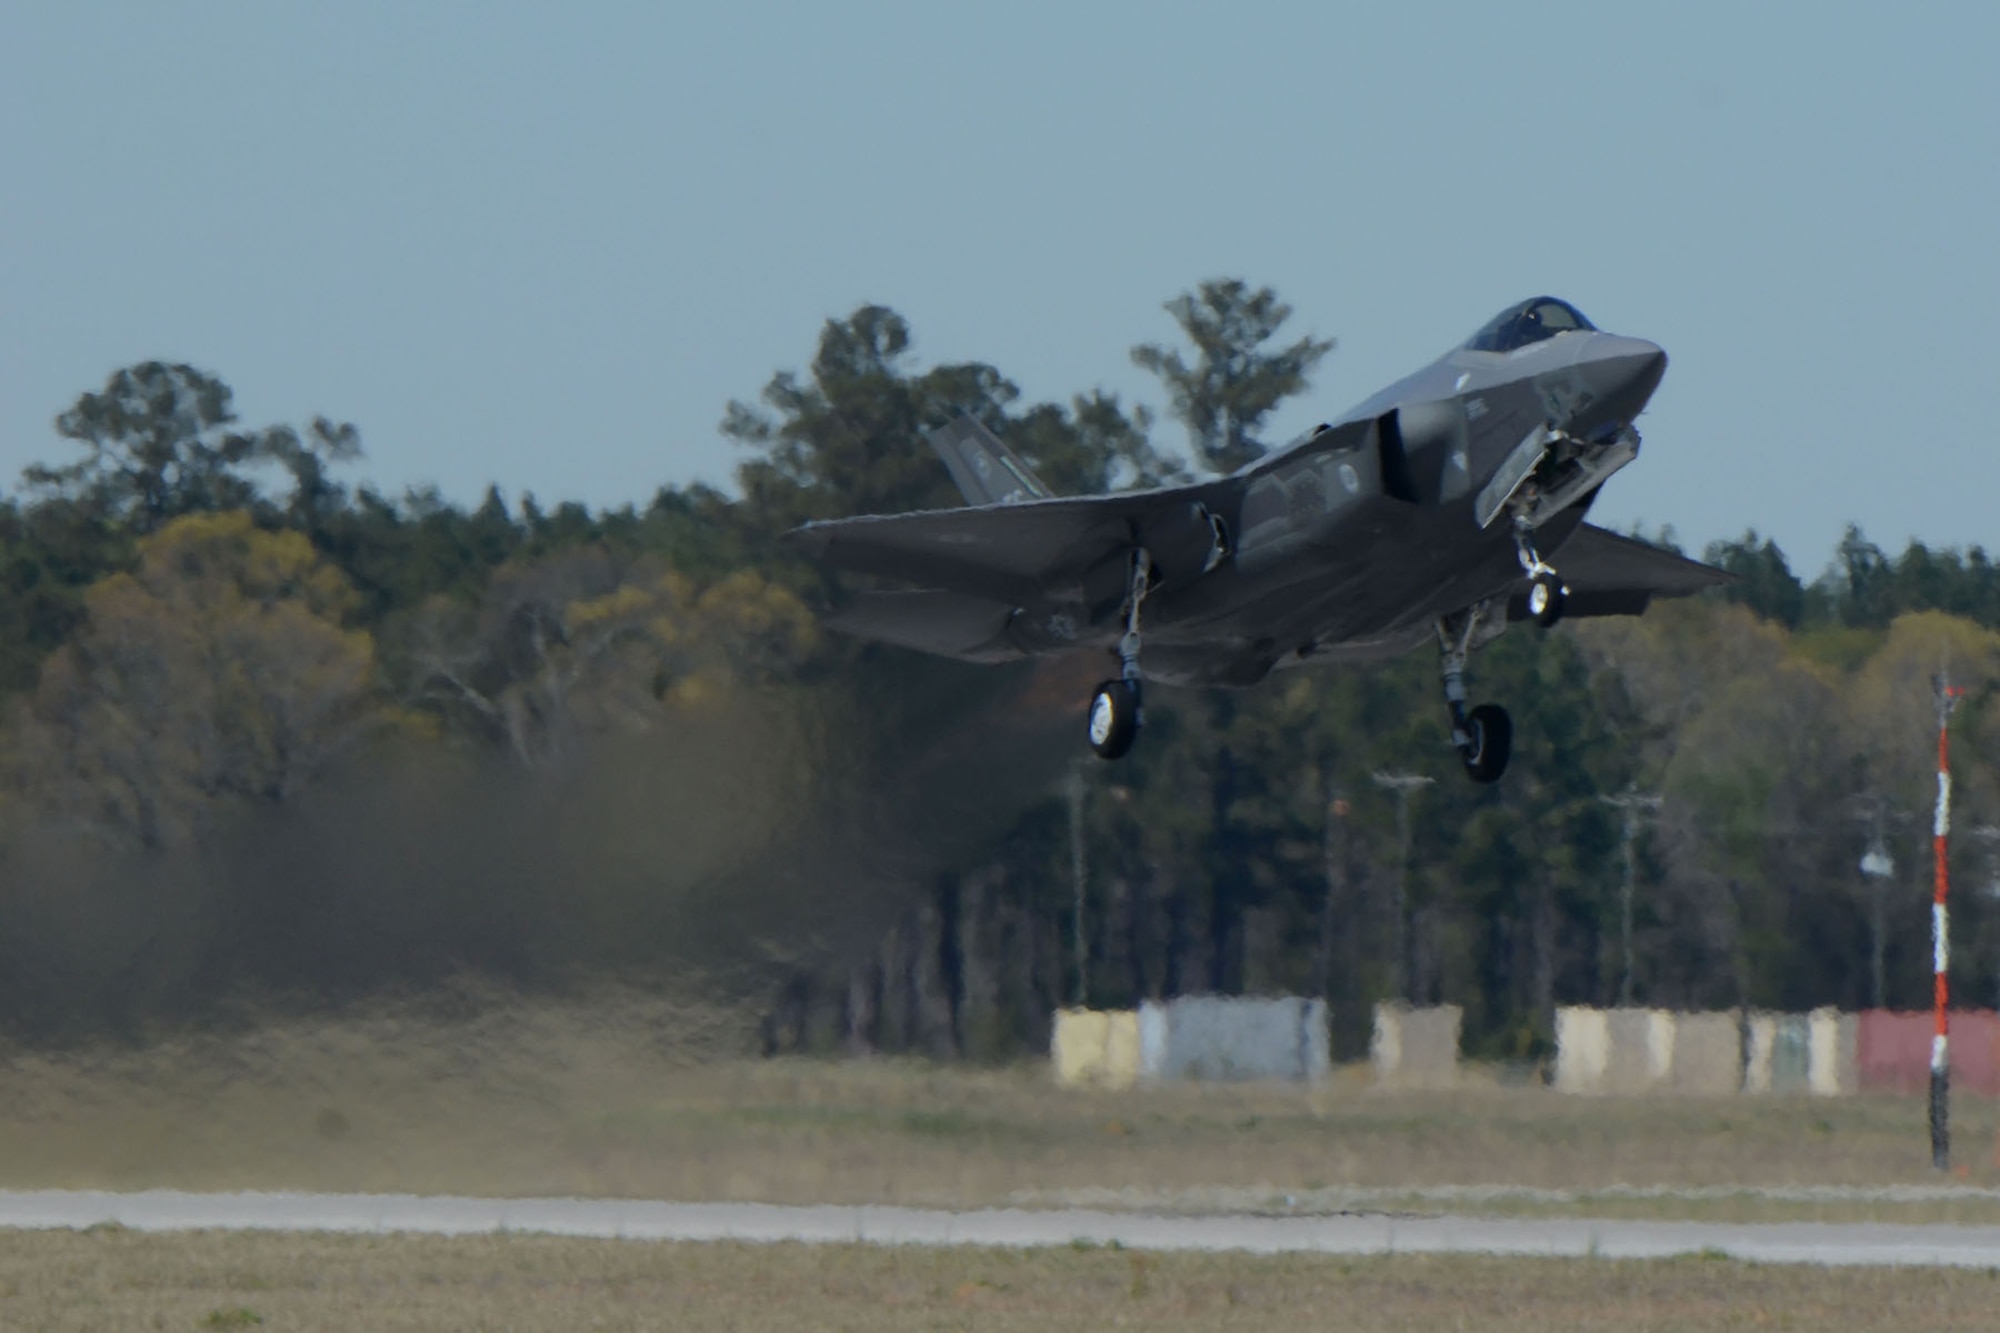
[{"x": 1947, "y": 698}]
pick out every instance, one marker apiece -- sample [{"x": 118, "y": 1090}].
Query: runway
[{"x": 1345, "y": 1233}]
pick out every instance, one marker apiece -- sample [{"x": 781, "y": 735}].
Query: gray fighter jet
[{"x": 1441, "y": 507}]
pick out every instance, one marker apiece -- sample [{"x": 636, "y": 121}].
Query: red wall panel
[{"x": 1895, "y": 1051}]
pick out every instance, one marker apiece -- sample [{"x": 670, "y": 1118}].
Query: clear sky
[{"x": 544, "y": 245}]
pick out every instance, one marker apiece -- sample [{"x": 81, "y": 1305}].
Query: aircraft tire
[
  {"x": 1113, "y": 719},
  {"x": 1545, "y": 600},
  {"x": 1492, "y": 743}
]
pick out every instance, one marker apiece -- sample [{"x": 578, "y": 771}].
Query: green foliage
[
  {"x": 1235, "y": 381},
  {"x": 160, "y": 441},
  {"x": 849, "y": 438},
  {"x": 1765, "y": 582}
]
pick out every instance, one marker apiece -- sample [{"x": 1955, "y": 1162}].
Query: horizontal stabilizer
[
  {"x": 1595, "y": 557},
  {"x": 984, "y": 468},
  {"x": 1610, "y": 575},
  {"x": 930, "y": 621}
]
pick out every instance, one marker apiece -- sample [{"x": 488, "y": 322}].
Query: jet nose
[{"x": 1622, "y": 372}]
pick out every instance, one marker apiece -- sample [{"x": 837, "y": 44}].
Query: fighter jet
[{"x": 1447, "y": 506}]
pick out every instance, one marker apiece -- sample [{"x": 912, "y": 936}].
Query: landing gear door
[{"x": 1507, "y": 480}]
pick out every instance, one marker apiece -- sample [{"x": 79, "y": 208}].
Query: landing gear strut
[
  {"x": 1116, "y": 710},
  {"x": 1546, "y": 593},
  {"x": 1484, "y": 737}
]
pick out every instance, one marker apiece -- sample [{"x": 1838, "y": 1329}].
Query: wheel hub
[{"x": 1102, "y": 714}]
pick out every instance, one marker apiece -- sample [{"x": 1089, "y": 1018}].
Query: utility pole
[
  {"x": 1946, "y": 696},
  {"x": 1630, "y": 805},
  {"x": 1404, "y": 785},
  {"x": 1074, "y": 789},
  {"x": 1333, "y": 861},
  {"x": 1878, "y": 867}
]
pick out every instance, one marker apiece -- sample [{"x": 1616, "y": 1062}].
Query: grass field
[
  {"x": 114, "y": 1279},
  {"x": 605, "y": 1099}
]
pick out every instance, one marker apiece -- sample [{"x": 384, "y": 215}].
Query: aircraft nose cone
[{"x": 1623, "y": 374}]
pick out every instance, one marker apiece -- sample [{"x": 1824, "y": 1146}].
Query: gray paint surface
[
  {"x": 1224, "y": 1038},
  {"x": 1351, "y": 1233}
]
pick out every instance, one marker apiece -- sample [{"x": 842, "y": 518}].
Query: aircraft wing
[
  {"x": 1000, "y": 552},
  {"x": 1610, "y": 575}
]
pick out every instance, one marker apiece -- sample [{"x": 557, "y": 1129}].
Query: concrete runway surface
[{"x": 1347, "y": 1233}]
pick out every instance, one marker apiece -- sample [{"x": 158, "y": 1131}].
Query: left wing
[
  {"x": 1016, "y": 549},
  {"x": 1002, "y": 552}
]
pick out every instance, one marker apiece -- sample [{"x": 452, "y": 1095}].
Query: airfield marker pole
[{"x": 1947, "y": 698}]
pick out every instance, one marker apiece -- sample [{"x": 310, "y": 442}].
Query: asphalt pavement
[{"x": 1359, "y": 1233}]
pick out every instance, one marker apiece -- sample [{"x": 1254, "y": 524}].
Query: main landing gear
[
  {"x": 1484, "y": 737},
  {"x": 1116, "y": 713}
]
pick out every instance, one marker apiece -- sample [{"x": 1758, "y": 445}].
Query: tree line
[{"x": 273, "y": 737}]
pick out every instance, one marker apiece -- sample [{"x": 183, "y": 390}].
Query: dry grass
[
  {"x": 604, "y": 1100},
  {"x": 111, "y": 1279}
]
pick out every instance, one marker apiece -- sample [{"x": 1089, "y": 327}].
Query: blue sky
[{"x": 544, "y": 245}]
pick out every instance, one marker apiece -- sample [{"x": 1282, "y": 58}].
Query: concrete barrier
[
  {"x": 1708, "y": 1055},
  {"x": 1416, "y": 1048},
  {"x": 1833, "y": 1053},
  {"x": 1778, "y": 1058},
  {"x": 1583, "y": 1047},
  {"x": 1230, "y": 1039},
  {"x": 1639, "y": 1050},
  {"x": 1628, "y": 1052},
  {"x": 1824, "y": 1053},
  {"x": 1095, "y": 1047}
]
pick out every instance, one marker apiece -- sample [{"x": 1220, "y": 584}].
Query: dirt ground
[
  {"x": 114, "y": 1279},
  {"x": 607, "y": 1100}
]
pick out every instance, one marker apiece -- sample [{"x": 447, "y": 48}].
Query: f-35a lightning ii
[{"x": 1441, "y": 507}]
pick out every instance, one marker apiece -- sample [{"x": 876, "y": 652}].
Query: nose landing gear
[
  {"x": 1483, "y": 737},
  {"x": 1546, "y": 591}
]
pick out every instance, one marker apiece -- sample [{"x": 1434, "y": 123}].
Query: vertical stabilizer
[{"x": 987, "y": 472}]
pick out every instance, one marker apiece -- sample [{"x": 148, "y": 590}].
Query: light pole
[
  {"x": 1074, "y": 789},
  {"x": 1404, "y": 785},
  {"x": 1878, "y": 867},
  {"x": 1333, "y": 862},
  {"x": 1630, "y": 805}
]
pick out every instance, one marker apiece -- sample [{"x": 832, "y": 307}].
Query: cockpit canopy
[{"x": 1528, "y": 322}]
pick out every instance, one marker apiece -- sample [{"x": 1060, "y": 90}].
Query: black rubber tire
[
  {"x": 1551, "y": 593},
  {"x": 1113, "y": 720},
  {"x": 1492, "y": 743}
]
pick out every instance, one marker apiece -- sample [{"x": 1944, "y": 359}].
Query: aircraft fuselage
[{"x": 1350, "y": 543}]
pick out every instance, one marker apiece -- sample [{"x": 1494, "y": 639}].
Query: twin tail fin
[{"x": 986, "y": 471}]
